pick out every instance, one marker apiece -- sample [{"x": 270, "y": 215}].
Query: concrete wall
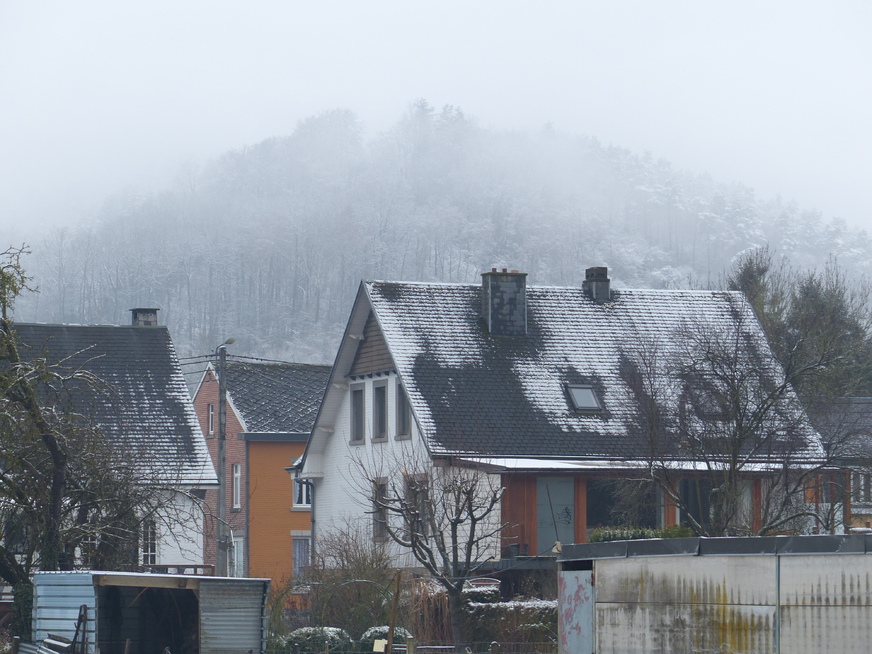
[{"x": 777, "y": 599}]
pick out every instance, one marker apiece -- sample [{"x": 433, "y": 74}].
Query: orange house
[{"x": 270, "y": 411}]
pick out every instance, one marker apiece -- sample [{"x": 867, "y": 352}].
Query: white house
[
  {"x": 541, "y": 387},
  {"x": 140, "y": 405}
]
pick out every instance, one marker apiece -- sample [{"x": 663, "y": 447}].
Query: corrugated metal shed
[
  {"x": 183, "y": 613},
  {"x": 231, "y": 615}
]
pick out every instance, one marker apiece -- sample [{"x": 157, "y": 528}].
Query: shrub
[
  {"x": 312, "y": 640},
  {"x": 375, "y": 633},
  {"x": 482, "y": 594},
  {"x": 607, "y": 534},
  {"x": 531, "y": 621}
]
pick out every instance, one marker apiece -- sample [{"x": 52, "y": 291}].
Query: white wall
[
  {"x": 180, "y": 531},
  {"x": 342, "y": 497}
]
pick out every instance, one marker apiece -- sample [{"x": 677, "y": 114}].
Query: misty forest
[{"x": 267, "y": 244}]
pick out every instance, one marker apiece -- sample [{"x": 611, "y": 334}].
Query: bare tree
[
  {"x": 68, "y": 496},
  {"x": 445, "y": 516},
  {"x": 716, "y": 412},
  {"x": 350, "y": 578}
]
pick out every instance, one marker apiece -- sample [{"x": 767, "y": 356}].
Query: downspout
[{"x": 311, "y": 520}]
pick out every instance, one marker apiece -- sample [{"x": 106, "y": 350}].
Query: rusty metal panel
[
  {"x": 575, "y": 626},
  {"x": 631, "y": 628},
  {"x": 737, "y": 580}
]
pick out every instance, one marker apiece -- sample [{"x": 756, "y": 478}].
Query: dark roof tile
[{"x": 277, "y": 397}]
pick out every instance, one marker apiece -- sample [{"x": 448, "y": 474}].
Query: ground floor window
[
  {"x": 148, "y": 542},
  {"x": 236, "y": 557},
  {"x": 301, "y": 553}
]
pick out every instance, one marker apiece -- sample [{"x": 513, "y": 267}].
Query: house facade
[
  {"x": 270, "y": 411},
  {"x": 139, "y": 405},
  {"x": 566, "y": 395}
]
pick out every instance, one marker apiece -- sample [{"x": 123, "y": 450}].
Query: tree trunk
[{"x": 457, "y": 616}]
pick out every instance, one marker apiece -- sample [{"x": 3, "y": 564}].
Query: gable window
[
  {"x": 357, "y": 415},
  {"x": 148, "y": 542},
  {"x": 210, "y": 410},
  {"x": 237, "y": 485},
  {"x": 584, "y": 397},
  {"x": 379, "y": 512},
  {"x": 404, "y": 413},
  {"x": 379, "y": 411},
  {"x": 302, "y": 494}
]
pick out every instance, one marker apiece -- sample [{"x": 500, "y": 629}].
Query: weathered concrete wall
[
  {"x": 791, "y": 596},
  {"x": 826, "y": 603},
  {"x": 686, "y": 604}
]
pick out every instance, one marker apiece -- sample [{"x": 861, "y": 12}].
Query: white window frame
[
  {"x": 210, "y": 419},
  {"x": 380, "y": 411},
  {"x": 302, "y": 494},
  {"x": 236, "y": 557},
  {"x": 357, "y": 415},
  {"x": 298, "y": 566},
  {"x": 237, "y": 485},
  {"x": 404, "y": 413},
  {"x": 148, "y": 542}
]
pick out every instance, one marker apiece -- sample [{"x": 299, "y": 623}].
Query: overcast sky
[{"x": 98, "y": 97}]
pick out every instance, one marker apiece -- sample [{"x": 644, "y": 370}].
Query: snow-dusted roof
[
  {"x": 477, "y": 394},
  {"x": 141, "y": 400},
  {"x": 277, "y": 397}
]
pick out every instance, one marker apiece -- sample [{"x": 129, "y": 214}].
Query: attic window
[{"x": 584, "y": 397}]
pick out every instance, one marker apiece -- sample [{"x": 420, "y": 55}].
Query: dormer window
[{"x": 584, "y": 398}]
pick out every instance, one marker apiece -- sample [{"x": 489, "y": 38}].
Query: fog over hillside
[{"x": 267, "y": 244}]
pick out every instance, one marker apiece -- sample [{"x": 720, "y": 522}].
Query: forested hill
[{"x": 269, "y": 243}]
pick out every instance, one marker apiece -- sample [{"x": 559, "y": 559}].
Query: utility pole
[{"x": 221, "y": 467}]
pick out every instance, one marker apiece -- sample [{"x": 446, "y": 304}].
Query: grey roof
[
  {"x": 277, "y": 397},
  {"x": 477, "y": 394},
  {"x": 845, "y": 424},
  {"x": 141, "y": 402}
]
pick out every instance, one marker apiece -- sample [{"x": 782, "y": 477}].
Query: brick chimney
[
  {"x": 504, "y": 302},
  {"x": 596, "y": 284},
  {"x": 144, "y": 317}
]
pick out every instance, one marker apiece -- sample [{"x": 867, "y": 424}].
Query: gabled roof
[
  {"x": 479, "y": 395},
  {"x": 277, "y": 397},
  {"x": 141, "y": 401}
]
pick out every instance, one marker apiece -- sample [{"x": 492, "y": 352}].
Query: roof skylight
[{"x": 584, "y": 397}]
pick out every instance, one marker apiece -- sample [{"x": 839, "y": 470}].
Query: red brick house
[{"x": 270, "y": 411}]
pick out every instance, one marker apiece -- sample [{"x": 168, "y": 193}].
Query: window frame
[
  {"x": 584, "y": 407},
  {"x": 302, "y": 494},
  {"x": 210, "y": 419},
  {"x": 380, "y": 427},
  {"x": 379, "y": 513},
  {"x": 297, "y": 567},
  {"x": 236, "y": 495},
  {"x": 236, "y": 558},
  {"x": 861, "y": 488},
  {"x": 357, "y": 415},
  {"x": 148, "y": 542},
  {"x": 404, "y": 412},
  {"x": 417, "y": 491}
]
